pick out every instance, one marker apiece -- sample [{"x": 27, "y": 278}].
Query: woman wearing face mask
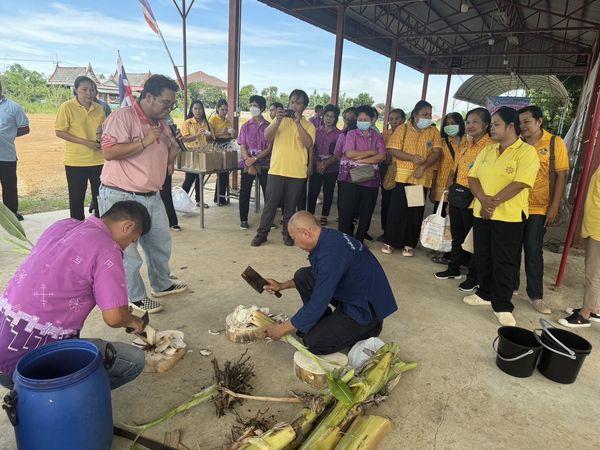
[
  {"x": 79, "y": 122},
  {"x": 223, "y": 132},
  {"x": 363, "y": 146},
  {"x": 396, "y": 118},
  {"x": 452, "y": 133},
  {"x": 460, "y": 198},
  {"x": 500, "y": 179},
  {"x": 416, "y": 147},
  {"x": 196, "y": 134},
  {"x": 326, "y": 164},
  {"x": 255, "y": 155}
]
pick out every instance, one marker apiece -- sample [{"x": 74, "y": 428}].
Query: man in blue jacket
[{"x": 342, "y": 273}]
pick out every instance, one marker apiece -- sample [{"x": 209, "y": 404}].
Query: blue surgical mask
[
  {"x": 451, "y": 130},
  {"x": 424, "y": 123},
  {"x": 363, "y": 126}
]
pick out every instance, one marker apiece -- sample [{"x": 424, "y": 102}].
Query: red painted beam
[
  {"x": 425, "y": 78},
  {"x": 447, "y": 94},
  {"x": 233, "y": 61},
  {"x": 337, "y": 59},
  {"x": 390, "y": 85}
]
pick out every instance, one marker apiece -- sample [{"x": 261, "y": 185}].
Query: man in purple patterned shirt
[{"x": 74, "y": 266}]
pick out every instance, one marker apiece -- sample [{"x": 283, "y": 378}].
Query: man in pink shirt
[
  {"x": 73, "y": 267},
  {"x": 139, "y": 147}
]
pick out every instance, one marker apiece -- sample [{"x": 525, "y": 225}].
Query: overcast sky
[{"x": 277, "y": 49}]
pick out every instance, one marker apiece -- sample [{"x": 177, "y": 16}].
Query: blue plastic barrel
[{"x": 63, "y": 398}]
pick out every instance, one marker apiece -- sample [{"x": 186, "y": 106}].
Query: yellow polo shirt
[
  {"x": 220, "y": 127},
  {"x": 467, "y": 156},
  {"x": 590, "y": 228},
  {"x": 518, "y": 163},
  {"x": 539, "y": 199},
  {"x": 416, "y": 142},
  {"x": 190, "y": 127},
  {"x": 289, "y": 157},
  {"x": 445, "y": 167},
  {"x": 82, "y": 123}
]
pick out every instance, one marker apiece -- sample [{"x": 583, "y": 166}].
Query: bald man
[{"x": 342, "y": 273}]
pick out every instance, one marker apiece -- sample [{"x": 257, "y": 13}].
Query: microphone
[{"x": 173, "y": 129}]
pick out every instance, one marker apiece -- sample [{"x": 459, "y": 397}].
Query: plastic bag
[
  {"x": 363, "y": 350},
  {"x": 182, "y": 201},
  {"x": 435, "y": 232}
]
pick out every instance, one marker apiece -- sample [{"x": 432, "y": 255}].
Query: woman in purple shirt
[
  {"x": 326, "y": 164},
  {"x": 363, "y": 146},
  {"x": 255, "y": 155}
]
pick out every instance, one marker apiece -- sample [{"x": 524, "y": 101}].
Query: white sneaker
[
  {"x": 540, "y": 306},
  {"x": 475, "y": 300},
  {"x": 506, "y": 319},
  {"x": 146, "y": 305},
  {"x": 175, "y": 288}
]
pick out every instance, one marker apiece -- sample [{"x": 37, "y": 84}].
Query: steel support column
[
  {"x": 390, "y": 85},
  {"x": 447, "y": 94},
  {"x": 425, "y": 78},
  {"x": 233, "y": 62},
  {"x": 337, "y": 59}
]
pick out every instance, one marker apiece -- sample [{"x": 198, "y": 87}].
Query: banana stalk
[
  {"x": 13, "y": 227},
  {"x": 365, "y": 433}
]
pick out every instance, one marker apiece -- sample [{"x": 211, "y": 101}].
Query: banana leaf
[{"x": 11, "y": 225}]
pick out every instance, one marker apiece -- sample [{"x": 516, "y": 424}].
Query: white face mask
[
  {"x": 451, "y": 130},
  {"x": 254, "y": 111},
  {"x": 424, "y": 123}
]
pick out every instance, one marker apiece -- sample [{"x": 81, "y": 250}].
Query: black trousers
[
  {"x": 223, "y": 183},
  {"x": 386, "y": 196},
  {"x": 315, "y": 182},
  {"x": 167, "y": 198},
  {"x": 301, "y": 204},
  {"x": 533, "y": 244},
  {"x": 8, "y": 181},
  {"x": 403, "y": 224},
  {"x": 461, "y": 221},
  {"x": 77, "y": 181},
  {"x": 192, "y": 179},
  {"x": 335, "y": 330},
  {"x": 280, "y": 188},
  {"x": 497, "y": 247},
  {"x": 351, "y": 198},
  {"x": 246, "y": 190}
]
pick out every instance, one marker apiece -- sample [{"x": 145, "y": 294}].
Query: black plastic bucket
[
  {"x": 563, "y": 354},
  {"x": 518, "y": 351}
]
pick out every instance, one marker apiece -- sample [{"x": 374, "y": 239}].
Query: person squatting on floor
[
  {"x": 342, "y": 273},
  {"x": 73, "y": 267},
  {"x": 138, "y": 147}
]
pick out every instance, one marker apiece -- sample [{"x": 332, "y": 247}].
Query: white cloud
[{"x": 302, "y": 62}]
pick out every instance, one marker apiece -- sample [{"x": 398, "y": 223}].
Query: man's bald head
[
  {"x": 303, "y": 219},
  {"x": 304, "y": 230}
]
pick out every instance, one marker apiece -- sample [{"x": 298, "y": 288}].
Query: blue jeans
[
  {"x": 128, "y": 364},
  {"x": 156, "y": 244}
]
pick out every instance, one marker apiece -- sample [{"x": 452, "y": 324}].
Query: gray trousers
[{"x": 278, "y": 189}]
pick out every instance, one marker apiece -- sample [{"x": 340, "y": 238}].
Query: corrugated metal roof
[
  {"x": 491, "y": 37},
  {"x": 477, "y": 88}
]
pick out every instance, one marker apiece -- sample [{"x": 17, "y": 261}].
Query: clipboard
[{"x": 257, "y": 282}]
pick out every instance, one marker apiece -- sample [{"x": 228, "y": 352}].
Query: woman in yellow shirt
[
  {"x": 79, "y": 122},
  {"x": 416, "y": 147},
  {"x": 223, "y": 132},
  {"x": 396, "y": 118},
  {"x": 196, "y": 132},
  {"x": 460, "y": 198},
  {"x": 501, "y": 178}
]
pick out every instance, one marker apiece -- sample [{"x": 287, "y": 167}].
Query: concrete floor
[{"x": 456, "y": 398}]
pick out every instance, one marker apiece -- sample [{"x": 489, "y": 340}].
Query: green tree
[
  {"x": 554, "y": 108},
  {"x": 271, "y": 94},
  {"x": 363, "y": 99},
  {"x": 245, "y": 93},
  {"x": 209, "y": 95}
]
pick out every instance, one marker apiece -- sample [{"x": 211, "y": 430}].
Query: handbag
[
  {"x": 362, "y": 173},
  {"x": 564, "y": 212},
  {"x": 389, "y": 180},
  {"x": 460, "y": 196},
  {"x": 435, "y": 231}
]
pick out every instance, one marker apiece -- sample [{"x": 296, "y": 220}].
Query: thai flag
[
  {"x": 149, "y": 16},
  {"x": 125, "y": 94}
]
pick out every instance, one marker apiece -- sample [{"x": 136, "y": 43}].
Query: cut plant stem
[
  {"x": 365, "y": 433},
  {"x": 262, "y": 399}
]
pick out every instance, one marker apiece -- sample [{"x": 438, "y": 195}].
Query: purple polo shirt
[
  {"x": 325, "y": 143},
  {"x": 252, "y": 135},
  {"x": 316, "y": 121},
  {"x": 355, "y": 140},
  {"x": 74, "y": 266}
]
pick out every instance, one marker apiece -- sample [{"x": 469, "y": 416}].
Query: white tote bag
[{"x": 435, "y": 231}]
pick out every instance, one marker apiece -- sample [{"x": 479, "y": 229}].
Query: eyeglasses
[{"x": 166, "y": 104}]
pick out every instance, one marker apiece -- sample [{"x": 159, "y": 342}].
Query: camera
[{"x": 289, "y": 113}]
